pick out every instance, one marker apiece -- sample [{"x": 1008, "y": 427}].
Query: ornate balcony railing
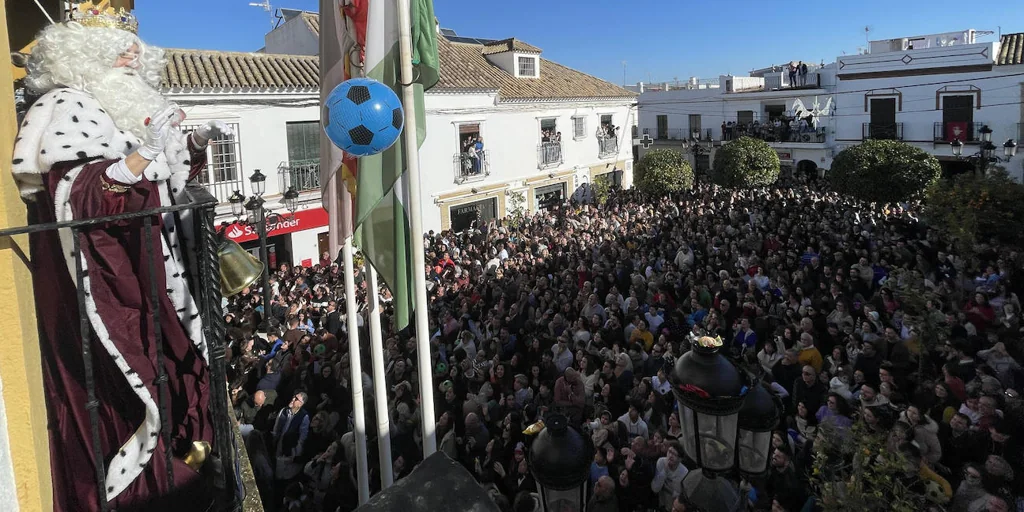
[
  {"x": 205, "y": 287},
  {"x": 882, "y": 131},
  {"x": 303, "y": 175},
  {"x": 469, "y": 167},
  {"x": 549, "y": 154},
  {"x": 966, "y": 132},
  {"x": 607, "y": 146}
]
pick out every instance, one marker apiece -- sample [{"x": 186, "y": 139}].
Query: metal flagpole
[
  {"x": 412, "y": 176},
  {"x": 355, "y": 374},
  {"x": 380, "y": 386}
]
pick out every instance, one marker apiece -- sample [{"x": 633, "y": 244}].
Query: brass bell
[{"x": 238, "y": 268}]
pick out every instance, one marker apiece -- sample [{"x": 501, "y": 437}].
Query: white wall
[
  {"x": 511, "y": 134},
  {"x": 8, "y": 489},
  {"x": 1001, "y": 96},
  {"x": 262, "y": 134},
  {"x": 305, "y": 245},
  {"x": 293, "y": 37}
]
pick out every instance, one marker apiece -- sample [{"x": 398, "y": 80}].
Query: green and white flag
[{"x": 382, "y": 217}]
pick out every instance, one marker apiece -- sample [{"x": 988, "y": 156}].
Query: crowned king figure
[{"x": 100, "y": 140}]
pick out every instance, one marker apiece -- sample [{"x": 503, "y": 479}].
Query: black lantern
[
  {"x": 559, "y": 460},
  {"x": 986, "y": 133},
  {"x": 958, "y": 147},
  {"x": 236, "y": 201},
  {"x": 988, "y": 149},
  {"x": 760, "y": 414},
  {"x": 291, "y": 200},
  {"x": 255, "y": 209},
  {"x": 259, "y": 182},
  {"x": 710, "y": 392},
  {"x": 1009, "y": 148}
]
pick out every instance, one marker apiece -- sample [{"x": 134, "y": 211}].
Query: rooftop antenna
[
  {"x": 623, "y": 74},
  {"x": 265, "y": 4},
  {"x": 867, "y": 34}
]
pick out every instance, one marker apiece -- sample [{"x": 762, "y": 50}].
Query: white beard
[{"x": 127, "y": 98}]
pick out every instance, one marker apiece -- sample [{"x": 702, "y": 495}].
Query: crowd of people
[
  {"x": 583, "y": 309},
  {"x": 779, "y": 129}
]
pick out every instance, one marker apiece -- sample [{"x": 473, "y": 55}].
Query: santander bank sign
[{"x": 300, "y": 221}]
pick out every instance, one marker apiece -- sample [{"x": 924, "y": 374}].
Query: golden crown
[{"x": 101, "y": 14}]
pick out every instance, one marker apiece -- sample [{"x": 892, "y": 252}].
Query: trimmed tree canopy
[
  {"x": 884, "y": 171},
  {"x": 974, "y": 209},
  {"x": 661, "y": 171},
  {"x": 745, "y": 162}
]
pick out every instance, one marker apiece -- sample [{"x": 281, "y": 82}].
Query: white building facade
[
  {"x": 733, "y": 106},
  {"x": 928, "y": 90},
  {"x": 923, "y": 90},
  {"x": 506, "y": 130}
]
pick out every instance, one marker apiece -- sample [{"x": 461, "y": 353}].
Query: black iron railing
[
  {"x": 303, "y": 175},
  {"x": 882, "y": 131},
  {"x": 206, "y": 288},
  {"x": 950, "y": 130},
  {"x": 549, "y": 154},
  {"x": 470, "y": 166},
  {"x": 607, "y": 146}
]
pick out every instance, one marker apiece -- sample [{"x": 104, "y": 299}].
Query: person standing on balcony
[
  {"x": 100, "y": 140},
  {"x": 792, "y": 73},
  {"x": 478, "y": 146},
  {"x": 803, "y": 73}
]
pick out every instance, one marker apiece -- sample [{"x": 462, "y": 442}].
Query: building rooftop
[
  {"x": 217, "y": 69},
  {"x": 508, "y": 45},
  {"x": 1011, "y": 49},
  {"x": 465, "y": 66}
]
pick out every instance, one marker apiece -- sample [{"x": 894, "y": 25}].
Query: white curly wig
[{"x": 82, "y": 58}]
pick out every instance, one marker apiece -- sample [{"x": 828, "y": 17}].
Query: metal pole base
[{"x": 712, "y": 493}]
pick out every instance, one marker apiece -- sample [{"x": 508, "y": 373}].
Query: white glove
[
  {"x": 211, "y": 130},
  {"x": 160, "y": 125}
]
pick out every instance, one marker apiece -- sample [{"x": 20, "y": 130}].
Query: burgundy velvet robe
[{"x": 120, "y": 282}]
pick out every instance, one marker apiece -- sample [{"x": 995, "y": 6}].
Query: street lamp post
[
  {"x": 559, "y": 460},
  {"x": 986, "y": 153},
  {"x": 727, "y": 417},
  {"x": 258, "y": 218}
]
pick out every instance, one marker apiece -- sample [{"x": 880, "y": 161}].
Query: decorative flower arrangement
[{"x": 709, "y": 342}]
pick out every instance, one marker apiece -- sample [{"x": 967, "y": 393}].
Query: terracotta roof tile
[
  {"x": 507, "y": 45},
  {"x": 1011, "y": 49},
  {"x": 464, "y": 66},
  {"x": 312, "y": 20},
  {"x": 214, "y": 69}
]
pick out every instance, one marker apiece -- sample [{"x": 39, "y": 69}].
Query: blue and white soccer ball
[{"x": 363, "y": 116}]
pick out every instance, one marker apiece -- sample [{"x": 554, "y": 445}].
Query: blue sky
[{"x": 658, "y": 40}]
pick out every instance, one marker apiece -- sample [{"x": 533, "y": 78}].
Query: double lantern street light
[
  {"x": 987, "y": 152},
  {"x": 726, "y": 415},
  {"x": 258, "y": 218}
]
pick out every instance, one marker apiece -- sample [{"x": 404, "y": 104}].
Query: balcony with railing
[
  {"x": 768, "y": 132},
  {"x": 302, "y": 175},
  {"x": 673, "y": 134},
  {"x": 950, "y": 130},
  {"x": 96, "y": 373},
  {"x": 471, "y": 166},
  {"x": 549, "y": 154},
  {"x": 882, "y": 131},
  {"x": 607, "y": 147}
]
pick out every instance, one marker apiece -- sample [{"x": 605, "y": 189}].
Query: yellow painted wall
[{"x": 20, "y": 366}]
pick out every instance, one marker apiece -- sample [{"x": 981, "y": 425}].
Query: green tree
[
  {"x": 884, "y": 171},
  {"x": 972, "y": 209},
  {"x": 662, "y": 171},
  {"x": 745, "y": 163},
  {"x": 853, "y": 471},
  {"x": 516, "y": 209},
  {"x": 601, "y": 189}
]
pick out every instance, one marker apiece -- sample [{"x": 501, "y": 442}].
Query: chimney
[
  {"x": 640, "y": 86},
  {"x": 437, "y": 25}
]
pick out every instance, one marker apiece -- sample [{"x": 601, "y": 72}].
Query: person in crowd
[{"x": 583, "y": 311}]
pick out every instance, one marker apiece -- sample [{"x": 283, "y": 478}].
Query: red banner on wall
[{"x": 300, "y": 221}]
